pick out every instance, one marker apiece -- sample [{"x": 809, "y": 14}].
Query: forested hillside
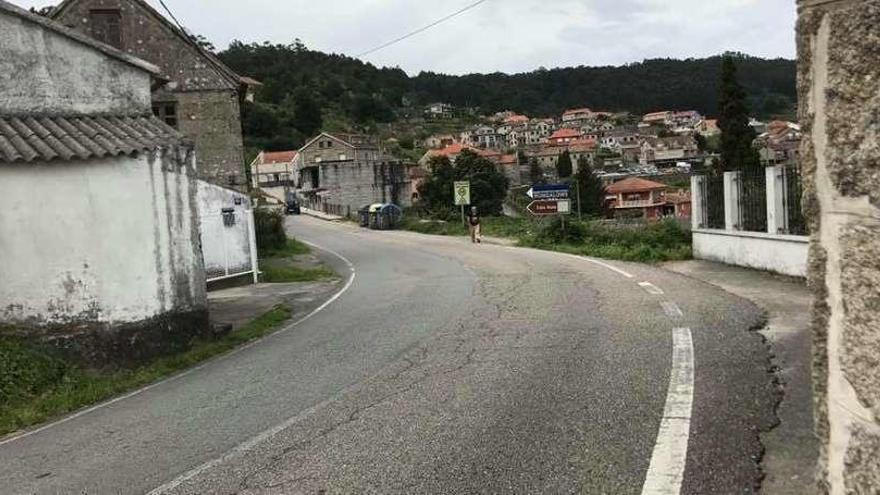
[{"x": 305, "y": 90}]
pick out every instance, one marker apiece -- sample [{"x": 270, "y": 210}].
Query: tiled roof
[
  {"x": 45, "y": 138},
  {"x": 634, "y": 184},
  {"x": 278, "y": 156},
  {"x": 577, "y": 110},
  {"x": 565, "y": 133},
  {"x": 513, "y": 119},
  {"x": 655, "y": 116},
  {"x": 452, "y": 149}
]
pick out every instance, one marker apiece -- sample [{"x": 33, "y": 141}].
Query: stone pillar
[
  {"x": 731, "y": 201},
  {"x": 698, "y": 202},
  {"x": 777, "y": 213},
  {"x": 839, "y": 92}
]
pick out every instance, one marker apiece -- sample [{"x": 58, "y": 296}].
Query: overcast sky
[{"x": 500, "y": 35}]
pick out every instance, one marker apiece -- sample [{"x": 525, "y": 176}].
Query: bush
[
  {"x": 25, "y": 372},
  {"x": 661, "y": 241},
  {"x": 269, "y": 226},
  {"x": 556, "y": 233}
]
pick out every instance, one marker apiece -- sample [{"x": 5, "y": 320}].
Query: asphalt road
[{"x": 443, "y": 367}]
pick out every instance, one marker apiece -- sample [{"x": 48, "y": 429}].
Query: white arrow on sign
[{"x": 531, "y": 192}]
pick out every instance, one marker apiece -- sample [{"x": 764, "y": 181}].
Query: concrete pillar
[
  {"x": 731, "y": 201},
  {"x": 839, "y": 93},
  {"x": 777, "y": 212},
  {"x": 698, "y": 202}
]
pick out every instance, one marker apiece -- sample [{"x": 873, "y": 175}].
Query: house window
[
  {"x": 107, "y": 26},
  {"x": 166, "y": 112}
]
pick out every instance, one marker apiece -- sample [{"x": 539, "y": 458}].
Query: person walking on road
[{"x": 473, "y": 221}]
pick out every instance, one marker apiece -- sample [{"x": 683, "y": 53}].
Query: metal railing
[
  {"x": 764, "y": 200},
  {"x": 714, "y": 201},
  {"x": 753, "y": 200},
  {"x": 794, "y": 190}
]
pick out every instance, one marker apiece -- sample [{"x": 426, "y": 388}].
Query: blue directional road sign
[{"x": 548, "y": 191}]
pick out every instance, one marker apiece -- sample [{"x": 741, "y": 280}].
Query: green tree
[
  {"x": 563, "y": 165},
  {"x": 536, "y": 174},
  {"x": 737, "y": 152},
  {"x": 307, "y": 116},
  {"x": 592, "y": 191},
  {"x": 488, "y": 185}
]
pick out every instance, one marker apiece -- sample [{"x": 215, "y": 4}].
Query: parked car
[{"x": 292, "y": 205}]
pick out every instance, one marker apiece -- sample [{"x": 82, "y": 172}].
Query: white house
[
  {"x": 272, "y": 172},
  {"x": 99, "y": 227}
]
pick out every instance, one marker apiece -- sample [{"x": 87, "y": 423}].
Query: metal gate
[{"x": 229, "y": 244}]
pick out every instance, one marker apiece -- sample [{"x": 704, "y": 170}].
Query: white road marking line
[
  {"x": 671, "y": 309},
  {"x": 595, "y": 262},
  {"x": 666, "y": 471},
  {"x": 651, "y": 288},
  {"x": 200, "y": 366}
]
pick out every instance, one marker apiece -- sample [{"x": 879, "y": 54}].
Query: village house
[
  {"x": 780, "y": 144},
  {"x": 438, "y": 141},
  {"x": 684, "y": 119},
  {"x": 272, "y": 172},
  {"x": 202, "y": 98},
  {"x": 577, "y": 115},
  {"x": 487, "y": 137},
  {"x": 657, "y": 118},
  {"x": 668, "y": 151},
  {"x": 678, "y": 204},
  {"x": 758, "y": 126},
  {"x": 707, "y": 128},
  {"x": 637, "y": 197},
  {"x": 340, "y": 173},
  {"x": 564, "y": 136},
  {"x": 100, "y": 224},
  {"x": 440, "y": 111},
  {"x": 618, "y": 137},
  {"x": 451, "y": 152}
]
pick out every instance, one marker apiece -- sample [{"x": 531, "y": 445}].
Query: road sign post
[
  {"x": 550, "y": 199},
  {"x": 462, "y": 193}
]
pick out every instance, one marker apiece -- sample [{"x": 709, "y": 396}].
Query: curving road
[{"x": 445, "y": 367}]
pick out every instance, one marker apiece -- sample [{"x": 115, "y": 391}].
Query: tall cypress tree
[
  {"x": 733, "y": 121},
  {"x": 563, "y": 165},
  {"x": 592, "y": 191}
]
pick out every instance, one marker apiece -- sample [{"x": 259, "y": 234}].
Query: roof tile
[{"x": 46, "y": 138}]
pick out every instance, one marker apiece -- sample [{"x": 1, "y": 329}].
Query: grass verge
[
  {"x": 36, "y": 386},
  {"x": 279, "y": 265},
  {"x": 649, "y": 242}
]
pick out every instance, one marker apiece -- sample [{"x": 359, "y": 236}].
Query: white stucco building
[{"x": 99, "y": 234}]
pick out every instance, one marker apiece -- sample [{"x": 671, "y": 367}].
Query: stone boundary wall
[{"x": 839, "y": 94}]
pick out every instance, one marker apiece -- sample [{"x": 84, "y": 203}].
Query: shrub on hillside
[{"x": 269, "y": 226}]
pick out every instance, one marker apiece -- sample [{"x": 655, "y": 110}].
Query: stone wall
[
  {"x": 839, "y": 92},
  {"x": 350, "y": 177},
  {"x": 101, "y": 84},
  {"x": 208, "y": 111},
  {"x": 101, "y": 257},
  {"x": 212, "y": 121}
]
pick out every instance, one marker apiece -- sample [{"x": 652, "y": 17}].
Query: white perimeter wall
[
  {"x": 228, "y": 250},
  {"x": 111, "y": 240},
  {"x": 786, "y": 254}
]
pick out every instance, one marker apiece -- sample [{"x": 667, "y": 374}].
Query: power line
[
  {"x": 421, "y": 29},
  {"x": 162, "y": 2}
]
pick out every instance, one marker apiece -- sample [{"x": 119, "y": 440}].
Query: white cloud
[{"x": 501, "y": 35}]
